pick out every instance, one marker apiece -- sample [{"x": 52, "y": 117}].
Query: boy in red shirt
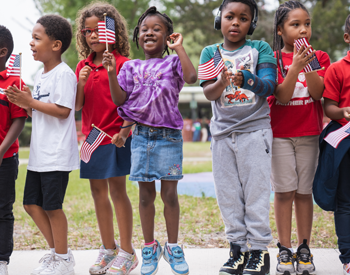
[{"x": 12, "y": 120}]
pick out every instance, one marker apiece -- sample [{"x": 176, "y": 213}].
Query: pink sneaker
[
  {"x": 123, "y": 264},
  {"x": 346, "y": 269}
]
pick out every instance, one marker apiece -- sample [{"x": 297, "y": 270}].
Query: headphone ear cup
[
  {"x": 217, "y": 23},
  {"x": 252, "y": 28}
]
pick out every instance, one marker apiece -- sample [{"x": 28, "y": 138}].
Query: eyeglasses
[{"x": 88, "y": 32}]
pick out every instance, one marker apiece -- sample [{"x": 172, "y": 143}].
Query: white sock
[
  {"x": 64, "y": 256},
  {"x": 171, "y": 245},
  {"x": 52, "y": 250},
  {"x": 291, "y": 250}
]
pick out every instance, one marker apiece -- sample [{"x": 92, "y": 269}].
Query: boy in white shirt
[{"x": 53, "y": 147}]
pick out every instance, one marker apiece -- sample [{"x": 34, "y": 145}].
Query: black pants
[
  {"x": 342, "y": 211},
  {"x": 8, "y": 176}
]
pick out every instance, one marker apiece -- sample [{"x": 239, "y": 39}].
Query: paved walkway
[{"x": 201, "y": 261}]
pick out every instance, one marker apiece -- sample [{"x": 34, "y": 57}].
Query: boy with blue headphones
[{"x": 242, "y": 136}]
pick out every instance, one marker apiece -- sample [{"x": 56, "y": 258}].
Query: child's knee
[
  {"x": 99, "y": 193},
  {"x": 170, "y": 199},
  {"x": 304, "y": 197},
  {"x": 147, "y": 198},
  {"x": 285, "y": 196},
  {"x": 29, "y": 209}
]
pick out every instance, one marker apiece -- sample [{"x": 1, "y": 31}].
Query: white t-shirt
[{"x": 54, "y": 145}]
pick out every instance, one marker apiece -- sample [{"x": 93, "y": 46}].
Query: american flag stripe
[
  {"x": 93, "y": 140},
  {"x": 14, "y": 65},
  {"x": 106, "y": 31},
  {"x": 335, "y": 137},
  {"x": 314, "y": 64},
  {"x": 211, "y": 68}
]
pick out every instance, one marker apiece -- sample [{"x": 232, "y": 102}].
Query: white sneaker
[
  {"x": 60, "y": 266},
  {"x": 45, "y": 262},
  {"x": 3, "y": 268}
]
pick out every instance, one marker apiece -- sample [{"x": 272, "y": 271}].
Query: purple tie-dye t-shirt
[{"x": 152, "y": 88}]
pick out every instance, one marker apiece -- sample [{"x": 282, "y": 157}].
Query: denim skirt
[{"x": 156, "y": 154}]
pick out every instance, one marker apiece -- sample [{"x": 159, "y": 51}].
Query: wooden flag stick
[
  {"x": 105, "y": 15},
  {"x": 315, "y": 71},
  {"x": 20, "y": 71},
  {"x": 218, "y": 46},
  {"x": 93, "y": 125}
]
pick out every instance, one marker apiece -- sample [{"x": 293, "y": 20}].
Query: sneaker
[
  {"x": 236, "y": 263},
  {"x": 104, "y": 260},
  {"x": 305, "y": 265},
  {"x": 285, "y": 261},
  {"x": 123, "y": 264},
  {"x": 176, "y": 258},
  {"x": 346, "y": 269},
  {"x": 60, "y": 266},
  {"x": 45, "y": 262},
  {"x": 258, "y": 263},
  {"x": 150, "y": 258},
  {"x": 3, "y": 268}
]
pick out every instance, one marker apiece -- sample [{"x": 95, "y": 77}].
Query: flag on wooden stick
[
  {"x": 335, "y": 137},
  {"x": 14, "y": 67},
  {"x": 314, "y": 65},
  {"x": 106, "y": 31},
  {"x": 93, "y": 140}
]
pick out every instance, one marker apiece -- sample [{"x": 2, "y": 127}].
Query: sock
[
  {"x": 291, "y": 250},
  {"x": 171, "y": 245},
  {"x": 151, "y": 243},
  {"x": 52, "y": 250},
  {"x": 64, "y": 256}
]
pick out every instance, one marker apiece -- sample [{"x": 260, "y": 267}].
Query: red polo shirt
[
  {"x": 9, "y": 111},
  {"x": 337, "y": 84},
  {"x": 99, "y": 108}
]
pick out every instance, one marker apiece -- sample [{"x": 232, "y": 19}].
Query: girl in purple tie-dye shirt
[{"x": 147, "y": 92}]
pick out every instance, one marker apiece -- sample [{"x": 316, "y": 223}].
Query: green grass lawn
[{"x": 200, "y": 223}]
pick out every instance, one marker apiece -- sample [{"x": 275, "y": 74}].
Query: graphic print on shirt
[
  {"x": 147, "y": 79},
  {"x": 233, "y": 95},
  {"x": 36, "y": 92}
]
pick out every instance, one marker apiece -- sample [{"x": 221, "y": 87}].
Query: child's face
[
  {"x": 153, "y": 36},
  {"x": 297, "y": 25},
  {"x": 41, "y": 45},
  {"x": 235, "y": 23},
  {"x": 92, "y": 40}
]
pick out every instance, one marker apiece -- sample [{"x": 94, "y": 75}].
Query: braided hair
[
  {"x": 249, "y": 3},
  {"x": 168, "y": 23},
  {"x": 347, "y": 24},
  {"x": 281, "y": 16}
]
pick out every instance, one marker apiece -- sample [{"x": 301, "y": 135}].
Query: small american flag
[
  {"x": 337, "y": 136},
  {"x": 211, "y": 68},
  {"x": 93, "y": 140},
  {"x": 14, "y": 67},
  {"x": 106, "y": 31},
  {"x": 314, "y": 64}
]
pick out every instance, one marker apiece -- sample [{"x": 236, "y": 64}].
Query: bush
[{"x": 24, "y": 137}]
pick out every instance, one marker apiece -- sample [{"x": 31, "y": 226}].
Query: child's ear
[
  {"x": 3, "y": 52},
  {"x": 347, "y": 38},
  {"x": 57, "y": 45},
  {"x": 168, "y": 38},
  {"x": 279, "y": 30}
]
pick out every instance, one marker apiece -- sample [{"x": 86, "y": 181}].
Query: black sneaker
[
  {"x": 305, "y": 264},
  {"x": 285, "y": 261},
  {"x": 258, "y": 263},
  {"x": 236, "y": 263}
]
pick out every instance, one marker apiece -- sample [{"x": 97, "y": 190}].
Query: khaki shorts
[{"x": 294, "y": 163}]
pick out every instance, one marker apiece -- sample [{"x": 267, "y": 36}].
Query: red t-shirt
[
  {"x": 9, "y": 111},
  {"x": 99, "y": 108},
  {"x": 337, "y": 84},
  {"x": 301, "y": 116}
]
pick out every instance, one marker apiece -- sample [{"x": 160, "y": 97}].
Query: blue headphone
[{"x": 217, "y": 21}]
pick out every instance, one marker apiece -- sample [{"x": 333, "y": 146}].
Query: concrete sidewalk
[{"x": 201, "y": 261}]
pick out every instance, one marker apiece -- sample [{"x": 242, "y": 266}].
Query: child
[
  {"x": 12, "y": 120},
  {"x": 296, "y": 120},
  {"x": 53, "y": 146},
  {"x": 331, "y": 184},
  {"x": 109, "y": 165},
  {"x": 148, "y": 95},
  {"x": 241, "y": 131}
]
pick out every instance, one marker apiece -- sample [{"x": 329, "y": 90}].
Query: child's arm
[
  {"x": 11, "y": 136},
  {"x": 189, "y": 72},
  {"x": 285, "y": 90},
  {"x": 120, "y": 138},
  {"x": 315, "y": 85},
  {"x": 333, "y": 111},
  {"x": 213, "y": 88},
  {"x": 83, "y": 77},
  {"x": 25, "y": 100},
  {"x": 117, "y": 93}
]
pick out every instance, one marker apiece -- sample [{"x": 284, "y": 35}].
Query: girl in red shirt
[
  {"x": 296, "y": 120},
  {"x": 109, "y": 165}
]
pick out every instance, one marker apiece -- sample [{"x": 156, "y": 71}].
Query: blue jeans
[
  {"x": 342, "y": 211},
  {"x": 8, "y": 176}
]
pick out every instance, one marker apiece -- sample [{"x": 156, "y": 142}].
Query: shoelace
[
  {"x": 284, "y": 256},
  {"x": 55, "y": 262},
  {"x": 231, "y": 262},
  {"x": 47, "y": 258},
  {"x": 254, "y": 259},
  {"x": 101, "y": 253},
  {"x": 304, "y": 255},
  {"x": 3, "y": 267},
  {"x": 119, "y": 261}
]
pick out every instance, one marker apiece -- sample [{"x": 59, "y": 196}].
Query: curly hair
[
  {"x": 57, "y": 28},
  {"x": 98, "y": 9},
  {"x": 281, "y": 16},
  {"x": 164, "y": 17},
  {"x": 347, "y": 24},
  {"x": 6, "y": 40}
]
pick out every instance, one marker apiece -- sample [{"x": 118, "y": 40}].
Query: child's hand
[
  {"x": 237, "y": 78},
  {"x": 22, "y": 99},
  {"x": 301, "y": 58},
  {"x": 84, "y": 75},
  {"x": 108, "y": 62},
  {"x": 346, "y": 113},
  {"x": 226, "y": 77},
  {"x": 119, "y": 140},
  {"x": 177, "y": 39}
]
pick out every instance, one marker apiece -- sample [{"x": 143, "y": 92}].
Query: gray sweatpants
[{"x": 241, "y": 168}]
